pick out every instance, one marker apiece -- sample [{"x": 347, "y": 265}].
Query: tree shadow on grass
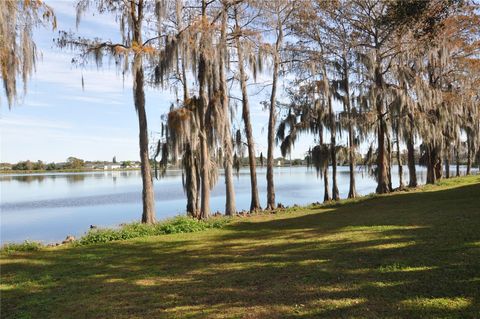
[{"x": 412, "y": 255}]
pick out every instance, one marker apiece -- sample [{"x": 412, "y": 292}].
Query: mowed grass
[{"x": 408, "y": 255}]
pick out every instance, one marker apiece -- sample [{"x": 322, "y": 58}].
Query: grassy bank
[
  {"x": 175, "y": 225},
  {"x": 408, "y": 255}
]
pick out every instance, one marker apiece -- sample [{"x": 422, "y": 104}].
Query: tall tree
[
  {"x": 230, "y": 207},
  {"x": 277, "y": 14},
  {"x": 342, "y": 47},
  {"x": 179, "y": 135},
  {"x": 241, "y": 39},
  {"x": 376, "y": 51},
  {"x": 443, "y": 88},
  {"x": 316, "y": 52},
  {"x": 190, "y": 159},
  {"x": 205, "y": 43},
  {"x": 131, "y": 16},
  {"x": 200, "y": 127}
]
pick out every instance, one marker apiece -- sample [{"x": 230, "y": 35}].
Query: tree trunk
[
  {"x": 326, "y": 190},
  {"x": 399, "y": 162},
  {"x": 457, "y": 161},
  {"x": 148, "y": 197},
  {"x": 438, "y": 168},
  {"x": 447, "y": 163},
  {"x": 382, "y": 186},
  {"x": 469, "y": 154},
  {"x": 382, "y": 177},
  {"x": 352, "y": 192},
  {"x": 333, "y": 153},
  {"x": 447, "y": 168},
  {"x": 189, "y": 161},
  {"x": 412, "y": 172},
  {"x": 204, "y": 151},
  {"x": 431, "y": 163},
  {"x": 190, "y": 167},
  {"x": 389, "y": 162},
  {"x": 230, "y": 207},
  {"x": 271, "y": 123},
  {"x": 335, "y": 193},
  {"x": 148, "y": 215},
  {"x": 271, "y": 137},
  {"x": 204, "y": 155},
  {"x": 255, "y": 202}
]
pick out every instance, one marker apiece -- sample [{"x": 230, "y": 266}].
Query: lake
[{"x": 48, "y": 206}]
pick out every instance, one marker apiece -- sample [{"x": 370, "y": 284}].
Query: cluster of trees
[
  {"x": 404, "y": 72},
  {"x": 71, "y": 163},
  {"x": 32, "y": 166},
  {"x": 397, "y": 75},
  {"x": 74, "y": 163}
]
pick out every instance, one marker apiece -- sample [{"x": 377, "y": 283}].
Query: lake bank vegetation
[
  {"x": 72, "y": 164},
  {"x": 179, "y": 224},
  {"x": 187, "y": 224}
]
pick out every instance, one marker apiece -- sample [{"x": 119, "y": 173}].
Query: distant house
[
  {"x": 112, "y": 166},
  {"x": 5, "y": 166},
  {"x": 61, "y": 165},
  {"x": 135, "y": 165}
]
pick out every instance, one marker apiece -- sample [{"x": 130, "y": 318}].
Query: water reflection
[
  {"x": 24, "y": 178},
  {"x": 76, "y": 179}
]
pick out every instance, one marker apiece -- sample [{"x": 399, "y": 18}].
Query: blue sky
[{"x": 56, "y": 119}]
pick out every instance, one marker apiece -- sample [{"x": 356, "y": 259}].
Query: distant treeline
[{"x": 72, "y": 163}]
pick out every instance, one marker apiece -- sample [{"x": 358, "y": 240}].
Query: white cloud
[
  {"x": 14, "y": 122},
  {"x": 56, "y": 69},
  {"x": 37, "y": 104},
  {"x": 95, "y": 100}
]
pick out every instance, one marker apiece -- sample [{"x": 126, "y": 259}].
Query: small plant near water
[
  {"x": 20, "y": 247},
  {"x": 175, "y": 225},
  {"x": 180, "y": 224}
]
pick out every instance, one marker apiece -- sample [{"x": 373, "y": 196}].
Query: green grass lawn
[{"x": 408, "y": 255}]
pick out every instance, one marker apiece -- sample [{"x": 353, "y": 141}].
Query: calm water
[{"x": 47, "y": 207}]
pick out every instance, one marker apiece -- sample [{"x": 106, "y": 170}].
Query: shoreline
[
  {"x": 22, "y": 172},
  {"x": 241, "y": 214},
  {"x": 25, "y": 172}
]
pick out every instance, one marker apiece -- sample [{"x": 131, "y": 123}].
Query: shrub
[
  {"x": 18, "y": 247},
  {"x": 175, "y": 225}
]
